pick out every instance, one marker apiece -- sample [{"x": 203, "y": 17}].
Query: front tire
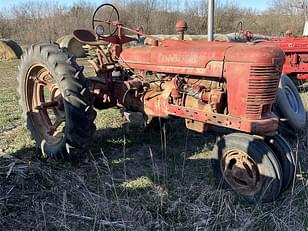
[
  {"x": 290, "y": 103},
  {"x": 56, "y": 103},
  {"x": 248, "y": 166},
  {"x": 286, "y": 159}
]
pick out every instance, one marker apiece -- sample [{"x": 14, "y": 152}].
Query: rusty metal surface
[
  {"x": 266, "y": 125},
  {"x": 241, "y": 172},
  {"x": 253, "y": 88},
  {"x": 45, "y": 103},
  {"x": 231, "y": 85},
  {"x": 181, "y": 27},
  {"x": 201, "y": 61}
]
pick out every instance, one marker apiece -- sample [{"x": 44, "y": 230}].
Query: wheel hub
[
  {"x": 56, "y": 96},
  {"x": 45, "y": 104},
  {"x": 241, "y": 172}
]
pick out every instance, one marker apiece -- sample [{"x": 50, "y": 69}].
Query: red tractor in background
[{"x": 221, "y": 84}]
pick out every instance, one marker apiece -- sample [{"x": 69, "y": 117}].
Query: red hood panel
[
  {"x": 189, "y": 59},
  {"x": 195, "y": 57},
  {"x": 190, "y": 56}
]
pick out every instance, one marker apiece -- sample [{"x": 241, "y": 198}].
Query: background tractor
[{"x": 229, "y": 85}]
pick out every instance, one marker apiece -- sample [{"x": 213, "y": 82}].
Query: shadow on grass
[{"x": 159, "y": 179}]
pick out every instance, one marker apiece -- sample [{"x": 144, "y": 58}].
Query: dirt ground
[{"x": 130, "y": 179}]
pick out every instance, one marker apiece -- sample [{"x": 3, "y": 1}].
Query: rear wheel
[
  {"x": 56, "y": 102},
  {"x": 248, "y": 166}
]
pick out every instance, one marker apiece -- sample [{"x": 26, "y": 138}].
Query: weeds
[{"x": 133, "y": 180}]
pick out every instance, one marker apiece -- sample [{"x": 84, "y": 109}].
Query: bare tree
[
  {"x": 292, "y": 6},
  {"x": 44, "y": 21},
  {"x": 292, "y": 14}
]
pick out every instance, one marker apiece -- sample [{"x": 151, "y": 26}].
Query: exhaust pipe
[
  {"x": 305, "y": 32},
  {"x": 210, "y": 21}
]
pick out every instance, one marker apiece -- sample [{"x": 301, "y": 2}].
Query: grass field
[{"x": 130, "y": 180}]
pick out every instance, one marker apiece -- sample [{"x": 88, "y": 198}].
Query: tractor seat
[{"x": 87, "y": 37}]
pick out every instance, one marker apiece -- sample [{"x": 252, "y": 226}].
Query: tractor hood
[{"x": 199, "y": 58}]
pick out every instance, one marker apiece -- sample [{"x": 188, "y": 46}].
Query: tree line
[{"x": 32, "y": 22}]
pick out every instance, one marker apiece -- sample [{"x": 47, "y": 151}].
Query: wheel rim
[
  {"x": 241, "y": 172},
  {"x": 45, "y": 104},
  {"x": 291, "y": 99}
]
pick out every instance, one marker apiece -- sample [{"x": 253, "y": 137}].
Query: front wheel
[
  {"x": 248, "y": 166},
  {"x": 286, "y": 159},
  {"x": 57, "y": 106},
  {"x": 290, "y": 103}
]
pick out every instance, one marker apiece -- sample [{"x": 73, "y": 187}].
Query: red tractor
[
  {"x": 294, "y": 73},
  {"x": 229, "y": 85}
]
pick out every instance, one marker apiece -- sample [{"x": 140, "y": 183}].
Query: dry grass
[{"x": 155, "y": 179}]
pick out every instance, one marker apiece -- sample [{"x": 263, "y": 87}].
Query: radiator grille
[{"x": 262, "y": 89}]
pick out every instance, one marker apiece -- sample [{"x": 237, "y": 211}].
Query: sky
[{"x": 256, "y": 4}]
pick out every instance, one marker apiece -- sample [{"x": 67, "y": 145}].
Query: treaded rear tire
[{"x": 77, "y": 100}]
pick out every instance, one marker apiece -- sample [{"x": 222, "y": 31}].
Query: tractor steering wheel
[{"x": 104, "y": 18}]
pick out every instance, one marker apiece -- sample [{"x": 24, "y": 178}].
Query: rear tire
[
  {"x": 248, "y": 166},
  {"x": 56, "y": 103}
]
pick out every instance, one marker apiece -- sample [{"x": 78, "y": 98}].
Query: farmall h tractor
[{"x": 228, "y": 85}]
